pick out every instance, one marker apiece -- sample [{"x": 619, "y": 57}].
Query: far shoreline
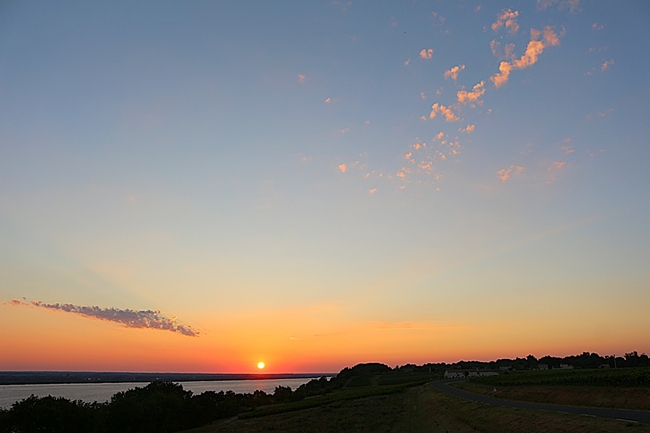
[{"x": 94, "y": 377}]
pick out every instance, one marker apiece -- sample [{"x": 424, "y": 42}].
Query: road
[{"x": 620, "y": 414}]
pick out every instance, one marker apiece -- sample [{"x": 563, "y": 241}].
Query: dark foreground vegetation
[
  {"x": 165, "y": 407},
  {"x": 620, "y": 377}
]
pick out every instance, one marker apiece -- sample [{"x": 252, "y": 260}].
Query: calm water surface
[{"x": 101, "y": 392}]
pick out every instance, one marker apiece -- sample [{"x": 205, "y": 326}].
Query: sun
[{"x": 261, "y": 365}]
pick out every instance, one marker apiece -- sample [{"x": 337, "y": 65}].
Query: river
[{"x": 102, "y": 392}]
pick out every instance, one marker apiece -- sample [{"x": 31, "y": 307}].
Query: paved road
[{"x": 620, "y": 414}]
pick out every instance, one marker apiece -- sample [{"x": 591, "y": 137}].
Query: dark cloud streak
[{"x": 151, "y": 319}]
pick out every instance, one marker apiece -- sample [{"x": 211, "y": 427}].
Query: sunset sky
[{"x": 199, "y": 186}]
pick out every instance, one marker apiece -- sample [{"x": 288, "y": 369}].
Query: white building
[{"x": 466, "y": 373}]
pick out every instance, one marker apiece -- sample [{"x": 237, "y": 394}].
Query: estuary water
[{"x": 101, "y": 392}]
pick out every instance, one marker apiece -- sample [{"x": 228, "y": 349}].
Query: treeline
[
  {"x": 160, "y": 407},
  {"x": 584, "y": 360}
]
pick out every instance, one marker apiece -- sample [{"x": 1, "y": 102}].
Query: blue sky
[{"x": 221, "y": 161}]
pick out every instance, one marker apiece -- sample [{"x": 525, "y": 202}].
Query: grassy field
[
  {"x": 610, "y": 377},
  {"x": 418, "y": 409},
  {"x": 594, "y": 396}
]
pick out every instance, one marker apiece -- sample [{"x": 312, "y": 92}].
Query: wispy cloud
[
  {"x": 508, "y": 50},
  {"x": 406, "y": 63},
  {"x": 301, "y": 78},
  {"x": 372, "y": 191},
  {"x": 606, "y": 65},
  {"x": 508, "y": 19},
  {"x": 453, "y": 72},
  {"x": 573, "y": 5},
  {"x": 343, "y": 168},
  {"x": 328, "y": 100},
  {"x": 504, "y": 174},
  {"x": 426, "y": 54},
  {"x": 445, "y": 111},
  {"x": 151, "y": 319}
]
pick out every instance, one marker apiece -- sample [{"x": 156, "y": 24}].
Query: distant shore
[{"x": 61, "y": 377}]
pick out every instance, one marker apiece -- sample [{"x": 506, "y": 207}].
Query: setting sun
[{"x": 261, "y": 365}]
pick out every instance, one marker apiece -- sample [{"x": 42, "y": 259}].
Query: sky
[{"x": 198, "y": 186}]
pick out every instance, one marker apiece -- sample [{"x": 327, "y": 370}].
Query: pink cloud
[
  {"x": 301, "y": 78},
  {"x": 606, "y": 65},
  {"x": 508, "y": 19},
  {"x": 445, "y": 111},
  {"x": 372, "y": 190},
  {"x": 343, "y": 168},
  {"x": 426, "y": 54},
  {"x": 406, "y": 63},
  {"x": 423, "y": 96},
  {"x": 328, "y": 100},
  {"x": 472, "y": 97},
  {"x": 530, "y": 57},
  {"x": 504, "y": 174},
  {"x": 502, "y": 77},
  {"x": 453, "y": 72},
  {"x": 468, "y": 129}
]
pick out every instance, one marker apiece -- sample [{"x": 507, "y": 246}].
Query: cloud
[
  {"x": 502, "y": 77},
  {"x": 16, "y": 302},
  {"x": 469, "y": 129},
  {"x": 151, "y": 319},
  {"x": 605, "y": 113},
  {"x": 301, "y": 78},
  {"x": 533, "y": 50},
  {"x": 472, "y": 97},
  {"x": 445, "y": 111},
  {"x": 422, "y": 95},
  {"x": 567, "y": 149},
  {"x": 343, "y": 168},
  {"x": 597, "y": 26},
  {"x": 573, "y": 5},
  {"x": 606, "y": 65},
  {"x": 328, "y": 100},
  {"x": 426, "y": 54},
  {"x": 508, "y": 50},
  {"x": 372, "y": 191},
  {"x": 508, "y": 19},
  {"x": 440, "y": 136},
  {"x": 453, "y": 72},
  {"x": 530, "y": 57},
  {"x": 550, "y": 37},
  {"x": 504, "y": 174},
  {"x": 406, "y": 63}
]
